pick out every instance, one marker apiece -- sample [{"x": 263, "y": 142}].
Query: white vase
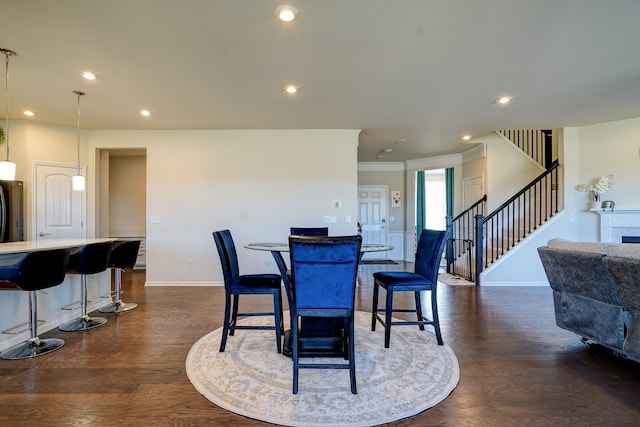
[{"x": 596, "y": 205}]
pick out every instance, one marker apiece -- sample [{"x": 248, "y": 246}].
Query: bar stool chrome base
[
  {"x": 118, "y": 307},
  {"x": 31, "y": 348},
  {"x": 83, "y": 324}
]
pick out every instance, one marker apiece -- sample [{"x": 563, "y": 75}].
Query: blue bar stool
[
  {"x": 123, "y": 255},
  {"x": 33, "y": 272},
  {"x": 90, "y": 259}
]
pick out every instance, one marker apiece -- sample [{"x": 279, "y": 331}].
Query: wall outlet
[{"x": 190, "y": 263}]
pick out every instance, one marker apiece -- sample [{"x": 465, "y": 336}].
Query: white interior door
[
  {"x": 473, "y": 190},
  {"x": 59, "y": 210},
  {"x": 372, "y": 216}
]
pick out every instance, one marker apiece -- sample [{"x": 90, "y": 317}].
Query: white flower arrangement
[{"x": 604, "y": 183}]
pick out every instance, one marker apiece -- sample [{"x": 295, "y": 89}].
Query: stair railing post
[
  {"x": 449, "y": 250},
  {"x": 548, "y": 148},
  {"x": 479, "y": 231}
]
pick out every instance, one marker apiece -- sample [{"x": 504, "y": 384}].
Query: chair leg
[
  {"x": 118, "y": 306},
  {"x": 225, "y": 324},
  {"x": 419, "y": 310},
  {"x": 374, "y": 308},
  {"x": 277, "y": 310},
  {"x": 234, "y": 315},
  {"x": 436, "y": 319},
  {"x": 387, "y": 317},
  {"x": 84, "y": 322},
  {"x": 294, "y": 338},
  {"x": 34, "y": 346},
  {"x": 352, "y": 354}
]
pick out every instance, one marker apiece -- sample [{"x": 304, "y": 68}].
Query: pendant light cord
[
  {"x": 7, "y": 54},
  {"x": 79, "y": 94}
]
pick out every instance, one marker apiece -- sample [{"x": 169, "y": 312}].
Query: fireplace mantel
[{"x": 617, "y": 223}]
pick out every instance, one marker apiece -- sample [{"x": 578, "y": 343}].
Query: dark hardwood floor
[{"x": 517, "y": 368}]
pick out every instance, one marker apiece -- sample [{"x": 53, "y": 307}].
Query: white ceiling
[{"x": 427, "y": 71}]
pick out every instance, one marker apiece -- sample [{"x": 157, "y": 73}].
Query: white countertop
[{"x": 40, "y": 245}]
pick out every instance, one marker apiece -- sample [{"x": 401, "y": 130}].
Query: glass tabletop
[{"x": 284, "y": 247}]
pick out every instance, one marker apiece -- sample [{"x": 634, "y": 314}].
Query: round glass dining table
[
  {"x": 284, "y": 247},
  {"x": 317, "y": 326}
]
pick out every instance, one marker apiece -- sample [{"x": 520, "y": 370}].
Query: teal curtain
[
  {"x": 448, "y": 179},
  {"x": 421, "y": 216}
]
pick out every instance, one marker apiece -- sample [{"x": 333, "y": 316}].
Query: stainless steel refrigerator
[{"x": 11, "y": 211}]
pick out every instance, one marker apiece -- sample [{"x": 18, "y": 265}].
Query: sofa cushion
[
  {"x": 591, "y": 247},
  {"x": 624, "y": 250}
]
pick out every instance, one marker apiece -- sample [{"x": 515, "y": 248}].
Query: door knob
[{"x": 42, "y": 234}]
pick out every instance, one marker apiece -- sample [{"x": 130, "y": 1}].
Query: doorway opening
[
  {"x": 123, "y": 195},
  {"x": 434, "y": 199}
]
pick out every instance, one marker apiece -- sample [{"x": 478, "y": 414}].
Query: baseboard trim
[{"x": 192, "y": 283}]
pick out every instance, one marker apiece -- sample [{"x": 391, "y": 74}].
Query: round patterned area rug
[{"x": 250, "y": 378}]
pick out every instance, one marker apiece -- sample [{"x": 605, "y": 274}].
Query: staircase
[{"x": 479, "y": 239}]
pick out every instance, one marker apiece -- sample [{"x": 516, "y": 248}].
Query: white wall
[
  {"x": 608, "y": 148},
  {"x": 508, "y": 170},
  {"x": 256, "y": 183},
  {"x": 127, "y": 199}
]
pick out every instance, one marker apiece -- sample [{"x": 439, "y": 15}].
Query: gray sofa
[{"x": 596, "y": 291}]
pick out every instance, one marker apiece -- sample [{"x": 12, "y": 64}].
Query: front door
[
  {"x": 372, "y": 216},
  {"x": 59, "y": 210}
]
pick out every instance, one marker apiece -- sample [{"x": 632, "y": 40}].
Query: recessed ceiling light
[
  {"x": 504, "y": 100},
  {"x": 401, "y": 141},
  {"x": 145, "y": 113},
  {"x": 388, "y": 150},
  {"x": 466, "y": 137},
  {"x": 381, "y": 156},
  {"x": 89, "y": 75},
  {"x": 286, "y": 13},
  {"x": 29, "y": 113},
  {"x": 291, "y": 89}
]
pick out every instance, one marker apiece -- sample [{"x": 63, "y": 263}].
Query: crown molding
[
  {"x": 381, "y": 167},
  {"x": 477, "y": 152},
  {"x": 436, "y": 162}
]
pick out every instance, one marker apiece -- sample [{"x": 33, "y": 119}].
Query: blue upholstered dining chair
[
  {"x": 324, "y": 271},
  {"x": 424, "y": 278},
  {"x": 310, "y": 231},
  {"x": 304, "y": 231},
  {"x": 236, "y": 284}
]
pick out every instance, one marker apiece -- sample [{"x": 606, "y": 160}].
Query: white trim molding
[
  {"x": 436, "y": 162},
  {"x": 381, "y": 167}
]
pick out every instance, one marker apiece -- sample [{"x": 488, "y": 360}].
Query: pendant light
[
  {"x": 78, "y": 180},
  {"x": 7, "y": 168}
]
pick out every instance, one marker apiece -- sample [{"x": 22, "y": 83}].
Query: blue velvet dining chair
[
  {"x": 324, "y": 271},
  {"x": 424, "y": 278},
  {"x": 304, "y": 231},
  {"x": 310, "y": 231},
  {"x": 236, "y": 284}
]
